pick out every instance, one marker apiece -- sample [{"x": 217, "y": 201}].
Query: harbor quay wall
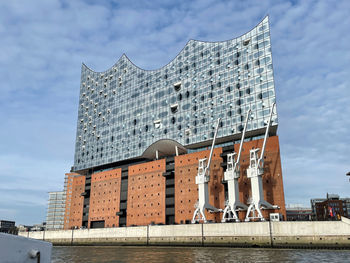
[{"x": 321, "y": 234}]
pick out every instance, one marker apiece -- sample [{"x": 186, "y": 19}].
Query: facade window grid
[
  {"x": 175, "y": 67},
  {"x": 55, "y": 210}
]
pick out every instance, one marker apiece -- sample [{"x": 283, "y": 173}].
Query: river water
[{"x": 193, "y": 254}]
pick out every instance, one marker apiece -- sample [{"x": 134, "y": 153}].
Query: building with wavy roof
[
  {"x": 137, "y": 123},
  {"x": 126, "y": 109}
]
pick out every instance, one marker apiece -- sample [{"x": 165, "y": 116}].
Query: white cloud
[{"x": 43, "y": 44}]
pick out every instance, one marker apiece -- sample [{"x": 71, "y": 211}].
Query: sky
[{"x": 43, "y": 44}]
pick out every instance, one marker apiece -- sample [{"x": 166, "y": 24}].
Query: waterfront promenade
[{"x": 308, "y": 234}]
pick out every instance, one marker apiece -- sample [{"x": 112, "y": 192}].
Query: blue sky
[{"x": 43, "y": 44}]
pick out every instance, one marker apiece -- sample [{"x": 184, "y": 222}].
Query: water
[{"x": 193, "y": 254}]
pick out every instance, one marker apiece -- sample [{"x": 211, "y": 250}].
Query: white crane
[
  {"x": 231, "y": 175},
  {"x": 202, "y": 179},
  {"x": 255, "y": 172}
]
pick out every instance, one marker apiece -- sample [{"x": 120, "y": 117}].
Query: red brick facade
[
  {"x": 272, "y": 178},
  {"x": 146, "y": 193},
  {"x": 147, "y": 189},
  {"x": 331, "y": 210},
  {"x": 186, "y": 190},
  {"x": 105, "y": 197},
  {"x": 74, "y": 201}
]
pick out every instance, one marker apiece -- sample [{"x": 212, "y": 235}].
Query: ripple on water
[{"x": 193, "y": 254}]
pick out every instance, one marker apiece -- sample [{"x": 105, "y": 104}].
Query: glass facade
[
  {"x": 125, "y": 109},
  {"x": 55, "y": 210}
]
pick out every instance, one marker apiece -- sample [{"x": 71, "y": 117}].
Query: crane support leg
[
  {"x": 232, "y": 204},
  {"x": 202, "y": 180},
  {"x": 255, "y": 172},
  {"x": 231, "y": 176}
]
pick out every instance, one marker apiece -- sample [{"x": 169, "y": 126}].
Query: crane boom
[
  {"x": 261, "y": 159},
  {"x": 231, "y": 176},
  {"x": 202, "y": 179},
  {"x": 242, "y": 139},
  {"x": 255, "y": 172},
  {"x": 213, "y": 143}
]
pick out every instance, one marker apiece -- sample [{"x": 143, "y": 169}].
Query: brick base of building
[{"x": 162, "y": 189}]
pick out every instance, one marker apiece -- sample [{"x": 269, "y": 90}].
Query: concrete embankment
[{"x": 325, "y": 234}]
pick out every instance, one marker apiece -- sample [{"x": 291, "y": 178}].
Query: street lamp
[{"x": 348, "y": 174}]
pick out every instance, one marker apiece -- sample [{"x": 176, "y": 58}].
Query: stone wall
[{"x": 330, "y": 234}]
